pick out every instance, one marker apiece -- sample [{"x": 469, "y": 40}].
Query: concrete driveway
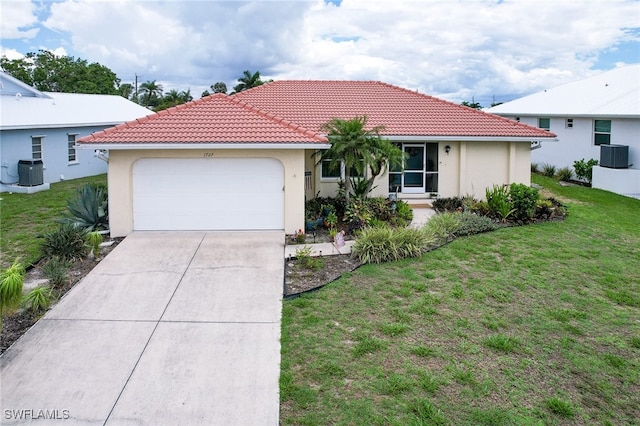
[{"x": 171, "y": 328}]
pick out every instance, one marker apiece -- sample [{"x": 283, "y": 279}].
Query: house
[
  {"x": 598, "y": 111},
  {"x": 247, "y": 161},
  {"x": 39, "y": 131}
]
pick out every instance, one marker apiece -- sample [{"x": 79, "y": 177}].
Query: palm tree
[
  {"x": 247, "y": 81},
  {"x": 356, "y": 148},
  {"x": 151, "y": 92}
]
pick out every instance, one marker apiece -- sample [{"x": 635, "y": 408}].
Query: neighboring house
[
  {"x": 586, "y": 114},
  {"x": 247, "y": 161},
  {"x": 39, "y": 130}
]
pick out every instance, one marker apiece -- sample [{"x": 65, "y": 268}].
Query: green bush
[
  {"x": 385, "y": 244},
  {"x": 481, "y": 208},
  {"x": 404, "y": 211},
  {"x": 11, "y": 281},
  {"x": 89, "y": 209},
  {"x": 38, "y": 299},
  {"x": 498, "y": 202},
  {"x": 535, "y": 168},
  {"x": 474, "y": 224},
  {"x": 68, "y": 242},
  {"x": 304, "y": 256},
  {"x": 548, "y": 170},
  {"x": 56, "y": 270},
  {"x": 523, "y": 199},
  {"x": 584, "y": 169},
  {"x": 565, "y": 174},
  {"x": 449, "y": 204},
  {"x": 443, "y": 227}
]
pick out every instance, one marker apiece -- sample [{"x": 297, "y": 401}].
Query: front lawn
[
  {"x": 527, "y": 325},
  {"x": 25, "y": 216}
]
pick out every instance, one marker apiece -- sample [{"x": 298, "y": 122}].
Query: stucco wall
[
  {"x": 121, "y": 183},
  {"x": 16, "y": 145}
]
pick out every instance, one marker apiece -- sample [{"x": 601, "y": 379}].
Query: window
[
  {"x": 544, "y": 123},
  {"x": 569, "y": 123},
  {"x": 335, "y": 171},
  {"x": 71, "y": 145},
  {"x": 602, "y": 132},
  {"x": 36, "y": 147}
]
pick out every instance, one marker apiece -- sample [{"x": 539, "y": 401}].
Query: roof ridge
[{"x": 278, "y": 120}]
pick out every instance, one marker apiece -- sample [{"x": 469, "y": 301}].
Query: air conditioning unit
[
  {"x": 614, "y": 156},
  {"x": 30, "y": 172}
]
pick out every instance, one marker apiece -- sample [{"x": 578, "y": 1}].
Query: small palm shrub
[
  {"x": 404, "y": 211},
  {"x": 56, "y": 270},
  {"x": 548, "y": 170},
  {"x": 39, "y": 299},
  {"x": 443, "y": 227},
  {"x": 474, "y": 224},
  {"x": 94, "y": 239},
  {"x": 499, "y": 202},
  {"x": 89, "y": 209},
  {"x": 11, "y": 281},
  {"x": 523, "y": 199},
  {"x": 565, "y": 174},
  {"x": 535, "y": 168},
  {"x": 304, "y": 256},
  {"x": 68, "y": 242},
  {"x": 386, "y": 244}
]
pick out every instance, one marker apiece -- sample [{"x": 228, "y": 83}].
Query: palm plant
[
  {"x": 151, "y": 92},
  {"x": 247, "y": 81}
]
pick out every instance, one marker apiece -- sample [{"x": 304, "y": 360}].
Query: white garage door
[{"x": 208, "y": 194}]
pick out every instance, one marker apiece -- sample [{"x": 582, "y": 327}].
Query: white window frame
[
  {"x": 540, "y": 124},
  {"x": 37, "y": 155},
  {"x": 336, "y": 178},
  {"x": 71, "y": 148}
]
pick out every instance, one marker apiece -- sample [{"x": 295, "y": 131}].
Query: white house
[
  {"x": 38, "y": 133},
  {"x": 586, "y": 114}
]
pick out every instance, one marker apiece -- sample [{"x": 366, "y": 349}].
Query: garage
[{"x": 184, "y": 194}]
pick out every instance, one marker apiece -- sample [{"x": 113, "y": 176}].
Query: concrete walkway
[{"x": 171, "y": 328}]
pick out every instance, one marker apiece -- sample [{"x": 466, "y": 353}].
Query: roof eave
[
  {"x": 59, "y": 125},
  {"x": 215, "y": 146},
  {"x": 471, "y": 138}
]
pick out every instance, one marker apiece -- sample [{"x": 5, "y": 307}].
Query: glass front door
[{"x": 413, "y": 177}]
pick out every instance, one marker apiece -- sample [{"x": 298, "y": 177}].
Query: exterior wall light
[{"x": 447, "y": 149}]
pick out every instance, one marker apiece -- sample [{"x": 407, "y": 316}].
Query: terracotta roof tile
[
  {"x": 401, "y": 111},
  {"x": 214, "y": 119}
]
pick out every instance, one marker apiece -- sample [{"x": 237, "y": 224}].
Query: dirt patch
[{"x": 299, "y": 278}]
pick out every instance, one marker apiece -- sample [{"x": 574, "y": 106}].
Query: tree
[
  {"x": 48, "y": 72},
  {"x": 150, "y": 93},
  {"x": 126, "y": 90},
  {"x": 247, "y": 81},
  {"x": 355, "y": 147},
  {"x": 473, "y": 104},
  {"x": 173, "y": 98},
  {"x": 219, "y": 87}
]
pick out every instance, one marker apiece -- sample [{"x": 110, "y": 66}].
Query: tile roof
[
  {"x": 402, "y": 112},
  {"x": 614, "y": 93},
  {"x": 213, "y": 119}
]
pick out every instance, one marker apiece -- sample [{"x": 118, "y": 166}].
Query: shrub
[
  {"x": 474, "y": 224},
  {"x": 68, "y": 242},
  {"x": 94, "y": 239},
  {"x": 498, "y": 201},
  {"x": 523, "y": 199},
  {"x": 404, "y": 211},
  {"x": 548, "y": 170},
  {"x": 89, "y": 210},
  {"x": 481, "y": 208},
  {"x": 450, "y": 204},
  {"x": 535, "y": 168},
  {"x": 38, "y": 299},
  {"x": 304, "y": 256},
  {"x": 357, "y": 214},
  {"x": 544, "y": 209},
  {"x": 443, "y": 227},
  {"x": 385, "y": 244},
  {"x": 11, "y": 281},
  {"x": 379, "y": 208},
  {"x": 584, "y": 169},
  {"x": 56, "y": 270},
  {"x": 565, "y": 174}
]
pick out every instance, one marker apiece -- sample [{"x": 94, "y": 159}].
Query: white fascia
[
  {"x": 164, "y": 146},
  {"x": 468, "y": 139}
]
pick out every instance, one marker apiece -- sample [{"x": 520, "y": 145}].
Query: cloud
[
  {"x": 448, "y": 48},
  {"x": 17, "y": 18}
]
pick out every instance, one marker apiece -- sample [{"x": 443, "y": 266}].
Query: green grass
[
  {"x": 23, "y": 217},
  {"x": 529, "y": 325}
]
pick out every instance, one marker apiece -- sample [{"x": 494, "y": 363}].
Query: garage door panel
[{"x": 208, "y": 194}]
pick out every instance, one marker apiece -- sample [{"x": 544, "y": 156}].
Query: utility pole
[{"x": 137, "y": 100}]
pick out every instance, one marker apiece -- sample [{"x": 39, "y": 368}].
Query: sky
[{"x": 471, "y": 50}]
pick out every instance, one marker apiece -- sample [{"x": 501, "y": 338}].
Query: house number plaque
[{"x": 208, "y": 154}]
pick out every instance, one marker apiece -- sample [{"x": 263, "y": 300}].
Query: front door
[{"x": 413, "y": 177}]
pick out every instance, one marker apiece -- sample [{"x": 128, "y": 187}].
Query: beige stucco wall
[
  {"x": 468, "y": 169},
  {"x": 120, "y": 180}
]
